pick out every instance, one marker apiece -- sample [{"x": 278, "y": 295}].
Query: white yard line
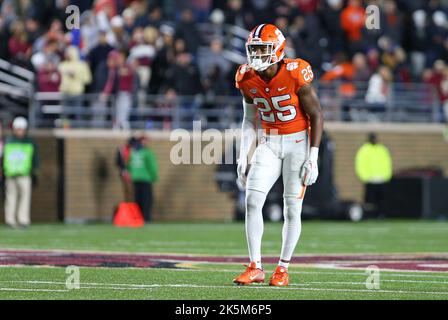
[
  {"x": 33, "y": 290},
  {"x": 296, "y": 287}
]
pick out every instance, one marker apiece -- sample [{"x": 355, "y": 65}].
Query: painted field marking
[
  {"x": 416, "y": 274},
  {"x": 33, "y": 290},
  {"x": 121, "y": 286},
  {"x": 300, "y": 284}
]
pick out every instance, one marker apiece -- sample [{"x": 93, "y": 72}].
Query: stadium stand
[{"x": 159, "y": 64}]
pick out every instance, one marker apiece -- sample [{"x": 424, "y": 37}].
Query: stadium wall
[
  {"x": 410, "y": 146},
  {"x": 91, "y": 189}
]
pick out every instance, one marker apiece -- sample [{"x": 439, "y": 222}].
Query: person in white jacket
[{"x": 378, "y": 91}]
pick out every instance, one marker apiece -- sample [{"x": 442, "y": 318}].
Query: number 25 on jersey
[{"x": 282, "y": 113}]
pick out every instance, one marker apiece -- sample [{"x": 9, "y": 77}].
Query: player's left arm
[{"x": 311, "y": 105}]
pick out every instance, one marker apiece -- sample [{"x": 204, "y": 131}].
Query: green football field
[{"x": 199, "y": 261}]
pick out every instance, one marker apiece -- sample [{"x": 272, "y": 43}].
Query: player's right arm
[{"x": 248, "y": 138}]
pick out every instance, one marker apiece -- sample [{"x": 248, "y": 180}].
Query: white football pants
[{"x": 275, "y": 155}]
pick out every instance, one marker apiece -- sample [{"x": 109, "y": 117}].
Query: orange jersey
[{"x": 277, "y": 99}]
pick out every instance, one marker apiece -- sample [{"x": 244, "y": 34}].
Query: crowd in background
[{"x": 158, "y": 47}]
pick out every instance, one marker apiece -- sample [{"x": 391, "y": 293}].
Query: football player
[{"x": 278, "y": 91}]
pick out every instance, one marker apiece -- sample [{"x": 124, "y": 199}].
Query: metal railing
[
  {"x": 16, "y": 88},
  {"x": 410, "y": 102}
]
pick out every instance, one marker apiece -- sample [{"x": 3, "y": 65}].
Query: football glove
[
  {"x": 241, "y": 172},
  {"x": 310, "y": 171}
]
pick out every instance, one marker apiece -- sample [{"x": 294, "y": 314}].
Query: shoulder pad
[
  {"x": 300, "y": 70},
  {"x": 294, "y": 65},
  {"x": 242, "y": 73}
]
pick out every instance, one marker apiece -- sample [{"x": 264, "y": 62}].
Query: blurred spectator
[
  {"x": 287, "y": 8},
  {"x": 379, "y": 89},
  {"x": 261, "y": 10},
  {"x": 217, "y": 20},
  {"x": 129, "y": 20},
  {"x": 201, "y": 9},
  {"x": 394, "y": 57},
  {"x": 164, "y": 57},
  {"x": 20, "y": 162},
  {"x": 75, "y": 75},
  {"x": 437, "y": 77},
  {"x": 362, "y": 71},
  {"x": 122, "y": 161},
  {"x": 50, "y": 52},
  {"x": 167, "y": 102},
  {"x": 54, "y": 33},
  {"x": 4, "y": 51},
  {"x": 143, "y": 52},
  {"x": 179, "y": 46},
  {"x": 184, "y": 78},
  {"x": 144, "y": 172},
  {"x": 307, "y": 6},
  {"x": 345, "y": 74},
  {"x": 8, "y": 12},
  {"x": 330, "y": 14},
  {"x": 373, "y": 59},
  {"x": 234, "y": 14},
  {"x": 305, "y": 37},
  {"x": 444, "y": 93},
  {"x": 343, "y": 71},
  {"x": 438, "y": 31},
  {"x": 419, "y": 42},
  {"x": 99, "y": 106},
  {"x": 89, "y": 32},
  {"x": 49, "y": 80},
  {"x": 117, "y": 37},
  {"x": 152, "y": 17},
  {"x": 106, "y": 8},
  {"x": 213, "y": 56},
  {"x": 121, "y": 81},
  {"x": 393, "y": 22},
  {"x": 97, "y": 59},
  {"x": 373, "y": 166},
  {"x": 215, "y": 85},
  {"x": 187, "y": 30},
  {"x": 18, "y": 45},
  {"x": 48, "y": 76},
  {"x": 352, "y": 21},
  {"x": 33, "y": 29}
]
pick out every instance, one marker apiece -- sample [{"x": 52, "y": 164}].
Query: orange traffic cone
[{"x": 128, "y": 215}]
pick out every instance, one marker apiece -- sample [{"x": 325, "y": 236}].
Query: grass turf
[{"x": 213, "y": 281}]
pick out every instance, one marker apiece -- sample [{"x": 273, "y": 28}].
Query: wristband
[{"x": 314, "y": 152}]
